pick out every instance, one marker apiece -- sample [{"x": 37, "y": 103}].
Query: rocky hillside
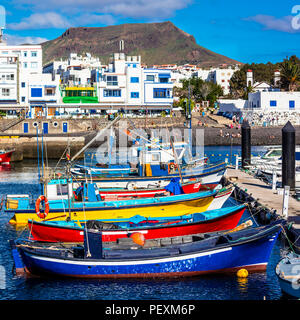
[{"x": 157, "y": 43}]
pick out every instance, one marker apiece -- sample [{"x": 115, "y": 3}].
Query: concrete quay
[{"x": 264, "y": 194}]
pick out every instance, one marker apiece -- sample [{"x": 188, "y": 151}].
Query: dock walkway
[{"x": 264, "y": 194}]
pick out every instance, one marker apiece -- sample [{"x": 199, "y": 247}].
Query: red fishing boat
[
  {"x": 70, "y": 231},
  {"x": 5, "y": 156},
  {"x": 120, "y": 194}
]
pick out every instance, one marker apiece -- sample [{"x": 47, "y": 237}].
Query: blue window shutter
[
  {"x": 273, "y": 103},
  {"x": 135, "y": 94},
  {"x": 292, "y": 104},
  {"x": 36, "y": 92},
  {"x": 134, "y": 79}
]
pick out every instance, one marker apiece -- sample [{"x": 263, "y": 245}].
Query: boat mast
[
  {"x": 96, "y": 137},
  {"x": 68, "y": 173},
  {"x": 176, "y": 158},
  {"x": 190, "y": 122}
]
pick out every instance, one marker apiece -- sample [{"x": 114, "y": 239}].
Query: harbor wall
[{"x": 81, "y": 131}]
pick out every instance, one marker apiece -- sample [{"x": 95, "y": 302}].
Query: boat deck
[{"x": 264, "y": 194}]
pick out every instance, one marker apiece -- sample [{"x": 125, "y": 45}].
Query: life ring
[
  {"x": 131, "y": 186},
  {"x": 37, "y": 207},
  {"x": 171, "y": 167}
]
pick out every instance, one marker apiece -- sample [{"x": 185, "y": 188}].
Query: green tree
[
  {"x": 201, "y": 90},
  {"x": 290, "y": 73}
]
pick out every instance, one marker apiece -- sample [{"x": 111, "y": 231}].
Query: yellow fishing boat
[{"x": 93, "y": 208}]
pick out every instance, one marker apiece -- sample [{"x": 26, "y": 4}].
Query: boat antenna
[
  {"x": 176, "y": 158},
  {"x": 68, "y": 153},
  {"x": 38, "y": 158}
]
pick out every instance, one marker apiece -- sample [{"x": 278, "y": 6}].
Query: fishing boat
[
  {"x": 120, "y": 193},
  {"x": 71, "y": 231},
  {"x": 5, "y": 156},
  {"x": 103, "y": 170},
  {"x": 210, "y": 174},
  {"x": 176, "y": 257},
  {"x": 93, "y": 208},
  {"x": 288, "y": 274}
]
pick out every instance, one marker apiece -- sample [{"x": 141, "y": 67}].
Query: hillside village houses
[
  {"x": 82, "y": 86},
  {"x": 266, "y": 105}
]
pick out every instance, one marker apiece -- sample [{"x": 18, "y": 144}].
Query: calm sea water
[{"x": 22, "y": 178}]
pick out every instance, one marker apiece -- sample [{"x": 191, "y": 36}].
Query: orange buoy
[
  {"x": 138, "y": 238},
  {"x": 242, "y": 273},
  {"x": 37, "y": 207}
]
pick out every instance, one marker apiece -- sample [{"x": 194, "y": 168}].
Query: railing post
[
  {"x": 285, "y": 205},
  {"x": 236, "y": 163},
  {"x": 274, "y": 180},
  {"x": 288, "y": 156},
  {"x": 246, "y": 144}
]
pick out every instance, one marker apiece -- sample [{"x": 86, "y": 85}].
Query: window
[
  {"x": 23, "y": 84},
  {"x": 5, "y": 92},
  {"x": 25, "y": 53},
  {"x": 292, "y": 104},
  {"x": 62, "y": 189},
  {"x": 135, "y": 94},
  {"x": 25, "y": 64},
  {"x": 155, "y": 157},
  {"x": 112, "y": 93},
  {"x": 163, "y": 80},
  {"x": 33, "y": 53},
  {"x": 34, "y": 65},
  {"x": 112, "y": 80},
  {"x": 273, "y": 103},
  {"x": 150, "y": 77},
  {"x": 23, "y": 99},
  {"x": 10, "y": 76},
  {"x": 36, "y": 92},
  {"x": 161, "y": 93},
  {"x": 134, "y": 79},
  {"x": 50, "y": 91}
]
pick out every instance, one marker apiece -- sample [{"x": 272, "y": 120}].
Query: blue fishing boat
[
  {"x": 180, "y": 257},
  {"x": 152, "y": 159},
  {"x": 288, "y": 274},
  {"x": 209, "y": 174},
  {"x": 115, "y": 170}
]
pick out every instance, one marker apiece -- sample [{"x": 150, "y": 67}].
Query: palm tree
[
  {"x": 290, "y": 74},
  {"x": 248, "y": 90}
]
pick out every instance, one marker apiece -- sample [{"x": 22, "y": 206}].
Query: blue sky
[{"x": 248, "y": 31}]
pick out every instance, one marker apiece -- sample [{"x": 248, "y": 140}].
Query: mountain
[{"x": 156, "y": 43}]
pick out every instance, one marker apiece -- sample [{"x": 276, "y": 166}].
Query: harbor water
[{"x": 23, "y": 178}]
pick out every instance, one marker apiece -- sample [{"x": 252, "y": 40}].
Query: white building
[
  {"x": 19, "y": 64},
  {"x": 8, "y": 78},
  {"x": 269, "y": 101},
  {"x": 220, "y": 76},
  {"x": 22, "y": 83},
  {"x": 125, "y": 83}
]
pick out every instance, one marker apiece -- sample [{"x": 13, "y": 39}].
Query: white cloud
[
  {"x": 125, "y": 8},
  {"x": 283, "y": 24},
  {"x": 40, "y": 21},
  {"x": 16, "y": 40},
  {"x": 49, "y": 20}
]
